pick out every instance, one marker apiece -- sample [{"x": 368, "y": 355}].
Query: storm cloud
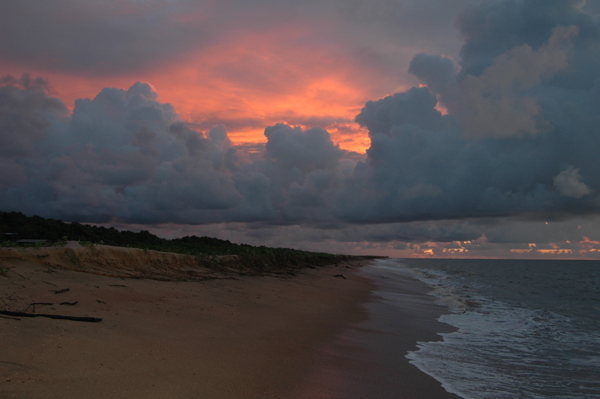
[
  {"x": 511, "y": 129},
  {"x": 520, "y": 129},
  {"x": 123, "y": 154}
]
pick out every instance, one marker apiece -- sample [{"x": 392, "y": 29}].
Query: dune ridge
[{"x": 122, "y": 262}]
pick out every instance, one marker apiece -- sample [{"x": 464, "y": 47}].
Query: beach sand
[
  {"x": 243, "y": 337},
  {"x": 367, "y": 360}
]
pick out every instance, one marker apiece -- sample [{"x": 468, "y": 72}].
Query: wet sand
[{"x": 368, "y": 359}]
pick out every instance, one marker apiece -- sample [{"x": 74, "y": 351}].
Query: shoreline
[
  {"x": 242, "y": 337},
  {"x": 368, "y": 358}
]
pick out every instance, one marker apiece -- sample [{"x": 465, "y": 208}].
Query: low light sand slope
[
  {"x": 120, "y": 262},
  {"x": 243, "y": 337}
]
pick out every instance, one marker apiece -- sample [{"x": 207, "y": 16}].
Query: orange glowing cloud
[
  {"x": 586, "y": 240},
  {"x": 251, "y": 83},
  {"x": 248, "y": 83}
]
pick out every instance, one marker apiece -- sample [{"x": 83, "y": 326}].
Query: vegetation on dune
[{"x": 251, "y": 258}]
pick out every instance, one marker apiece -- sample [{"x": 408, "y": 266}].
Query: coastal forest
[{"x": 15, "y": 227}]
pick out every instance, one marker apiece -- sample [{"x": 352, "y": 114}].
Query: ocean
[{"x": 524, "y": 328}]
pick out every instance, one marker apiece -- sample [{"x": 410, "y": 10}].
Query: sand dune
[{"x": 123, "y": 262}]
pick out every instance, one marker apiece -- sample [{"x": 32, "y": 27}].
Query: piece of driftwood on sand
[{"x": 51, "y": 316}]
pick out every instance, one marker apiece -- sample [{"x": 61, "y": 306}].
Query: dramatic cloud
[
  {"x": 568, "y": 183},
  {"x": 501, "y": 138},
  {"x": 246, "y": 64},
  {"x": 494, "y": 103},
  {"x": 519, "y": 129},
  {"x": 124, "y": 155}
]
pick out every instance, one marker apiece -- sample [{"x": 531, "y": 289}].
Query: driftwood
[
  {"x": 340, "y": 275},
  {"x": 51, "y": 316},
  {"x": 61, "y": 291},
  {"x": 68, "y": 303}
]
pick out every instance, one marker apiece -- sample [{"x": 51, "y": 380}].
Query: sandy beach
[
  {"x": 236, "y": 337},
  {"x": 248, "y": 337}
]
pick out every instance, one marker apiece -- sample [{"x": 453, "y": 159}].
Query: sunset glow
[
  {"x": 400, "y": 127},
  {"x": 247, "y": 84}
]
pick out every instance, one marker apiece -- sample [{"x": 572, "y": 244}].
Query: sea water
[{"x": 525, "y": 328}]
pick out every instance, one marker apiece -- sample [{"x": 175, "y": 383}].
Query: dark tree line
[
  {"x": 252, "y": 257},
  {"x": 36, "y": 227}
]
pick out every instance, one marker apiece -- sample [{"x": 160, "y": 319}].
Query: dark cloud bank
[{"x": 520, "y": 139}]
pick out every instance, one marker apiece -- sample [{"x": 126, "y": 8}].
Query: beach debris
[
  {"x": 118, "y": 285},
  {"x": 99, "y": 301},
  {"x": 340, "y": 275},
  {"x": 61, "y": 291},
  {"x": 51, "y": 316},
  {"x": 69, "y": 303}
]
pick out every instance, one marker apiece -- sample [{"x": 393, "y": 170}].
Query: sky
[{"x": 455, "y": 128}]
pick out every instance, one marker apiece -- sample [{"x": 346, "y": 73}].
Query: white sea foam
[{"x": 502, "y": 349}]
